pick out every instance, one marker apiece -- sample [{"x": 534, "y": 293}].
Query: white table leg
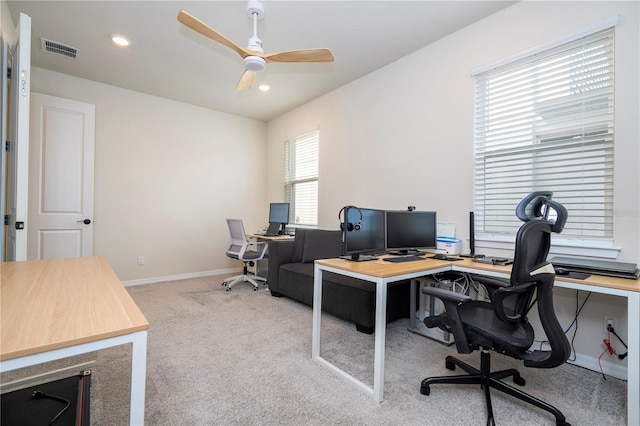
[
  {"x": 380, "y": 336},
  {"x": 138, "y": 378},
  {"x": 633, "y": 359},
  {"x": 317, "y": 310}
]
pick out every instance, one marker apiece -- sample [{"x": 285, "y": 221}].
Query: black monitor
[
  {"x": 407, "y": 231},
  {"x": 360, "y": 244},
  {"x": 278, "y": 217}
]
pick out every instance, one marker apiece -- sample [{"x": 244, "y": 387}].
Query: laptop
[{"x": 273, "y": 229}]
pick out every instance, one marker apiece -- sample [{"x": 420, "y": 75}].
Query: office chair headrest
[
  {"x": 531, "y": 206},
  {"x": 536, "y": 206}
]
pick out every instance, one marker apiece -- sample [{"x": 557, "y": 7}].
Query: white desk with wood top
[
  {"x": 382, "y": 273},
  {"x": 53, "y": 309}
]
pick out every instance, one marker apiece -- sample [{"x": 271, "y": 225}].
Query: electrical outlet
[
  {"x": 608, "y": 321},
  {"x": 140, "y": 260}
]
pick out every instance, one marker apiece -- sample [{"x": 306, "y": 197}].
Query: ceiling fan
[{"x": 255, "y": 59}]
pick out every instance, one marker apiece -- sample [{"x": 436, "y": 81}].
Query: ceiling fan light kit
[
  {"x": 255, "y": 60},
  {"x": 255, "y": 63}
]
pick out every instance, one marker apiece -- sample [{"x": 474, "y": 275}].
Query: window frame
[
  {"x": 562, "y": 244},
  {"x": 301, "y": 186}
]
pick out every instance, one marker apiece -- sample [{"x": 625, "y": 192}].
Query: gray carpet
[{"x": 244, "y": 358}]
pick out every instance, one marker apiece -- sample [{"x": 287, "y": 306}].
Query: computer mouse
[
  {"x": 439, "y": 256},
  {"x": 561, "y": 271}
]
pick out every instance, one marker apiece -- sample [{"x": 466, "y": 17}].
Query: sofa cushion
[
  {"x": 306, "y": 269},
  {"x": 321, "y": 244},
  {"x": 298, "y": 246}
]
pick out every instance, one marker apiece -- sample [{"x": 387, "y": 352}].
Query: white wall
[
  {"x": 167, "y": 174},
  {"x": 6, "y": 23},
  {"x": 403, "y": 135}
]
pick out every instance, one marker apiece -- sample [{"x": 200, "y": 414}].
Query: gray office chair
[
  {"x": 249, "y": 252},
  {"x": 501, "y": 325}
]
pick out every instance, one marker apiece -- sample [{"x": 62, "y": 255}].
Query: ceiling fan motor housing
[
  {"x": 255, "y": 63},
  {"x": 255, "y": 7}
]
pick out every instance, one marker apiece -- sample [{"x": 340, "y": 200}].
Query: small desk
[
  {"x": 53, "y": 309},
  {"x": 272, "y": 237},
  {"x": 382, "y": 273}
]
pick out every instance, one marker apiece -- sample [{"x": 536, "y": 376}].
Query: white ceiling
[{"x": 169, "y": 60}]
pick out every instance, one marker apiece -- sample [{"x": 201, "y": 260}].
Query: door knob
[{"x": 86, "y": 221}]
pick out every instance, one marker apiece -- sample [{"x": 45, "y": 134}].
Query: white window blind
[
  {"x": 545, "y": 122},
  {"x": 301, "y": 178}
]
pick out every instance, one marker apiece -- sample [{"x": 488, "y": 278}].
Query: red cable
[
  {"x": 609, "y": 348},
  {"x": 600, "y": 363}
]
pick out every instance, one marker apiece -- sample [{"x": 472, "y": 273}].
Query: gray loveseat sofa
[{"x": 291, "y": 275}]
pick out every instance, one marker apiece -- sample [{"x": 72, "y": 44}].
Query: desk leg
[
  {"x": 138, "y": 378},
  {"x": 317, "y": 310},
  {"x": 633, "y": 359},
  {"x": 380, "y": 336},
  {"x": 412, "y": 305}
]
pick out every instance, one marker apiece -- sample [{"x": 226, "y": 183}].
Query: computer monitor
[
  {"x": 369, "y": 239},
  {"x": 278, "y": 217},
  {"x": 407, "y": 231}
]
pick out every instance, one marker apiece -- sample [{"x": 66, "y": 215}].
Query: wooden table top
[
  {"x": 383, "y": 269},
  {"x": 285, "y": 237},
  {"x": 52, "y": 304}
]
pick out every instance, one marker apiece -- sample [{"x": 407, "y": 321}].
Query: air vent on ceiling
[{"x": 59, "y": 48}]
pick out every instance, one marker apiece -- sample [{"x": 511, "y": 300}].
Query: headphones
[{"x": 348, "y": 226}]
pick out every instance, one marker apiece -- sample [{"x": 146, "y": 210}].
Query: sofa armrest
[{"x": 280, "y": 253}]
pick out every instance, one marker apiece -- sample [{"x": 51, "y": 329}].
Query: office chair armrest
[
  {"x": 260, "y": 246},
  {"x": 451, "y": 301},
  {"x": 491, "y": 283},
  {"x": 446, "y": 295},
  {"x": 501, "y": 294}
]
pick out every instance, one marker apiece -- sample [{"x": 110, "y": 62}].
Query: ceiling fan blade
[
  {"x": 246, "y": 80},
  {"x": 302, "y": 55},
  {"x": 199, "y": 26}
]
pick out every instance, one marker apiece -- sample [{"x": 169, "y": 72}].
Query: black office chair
[{"x": 501, "y": 324}]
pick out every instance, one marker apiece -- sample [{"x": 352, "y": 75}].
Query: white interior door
[
  {"x": 4, "y": 100},
  {"x": 20, "y": 65},
  {"x": 61, "y": 173}
]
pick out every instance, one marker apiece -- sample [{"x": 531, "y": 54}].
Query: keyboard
[{"x": 397, "y": 259}]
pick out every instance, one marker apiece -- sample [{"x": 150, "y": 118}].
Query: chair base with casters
[
  {"x": 245, "y": 277},
  {"x": 487, "y": 380}
]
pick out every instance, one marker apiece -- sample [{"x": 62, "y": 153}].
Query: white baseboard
[
  {"x": 155, "y": 280},
  {"x": 610, "y": 369}
]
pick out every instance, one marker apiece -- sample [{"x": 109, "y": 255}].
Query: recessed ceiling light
[
  {"x": 120, "y": 40},
  {"x": 264, "y": 87}
]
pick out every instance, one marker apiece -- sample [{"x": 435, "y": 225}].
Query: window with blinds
[
  {"x": 545, "y": 122},
  {"x": 301, "y": 178}
]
